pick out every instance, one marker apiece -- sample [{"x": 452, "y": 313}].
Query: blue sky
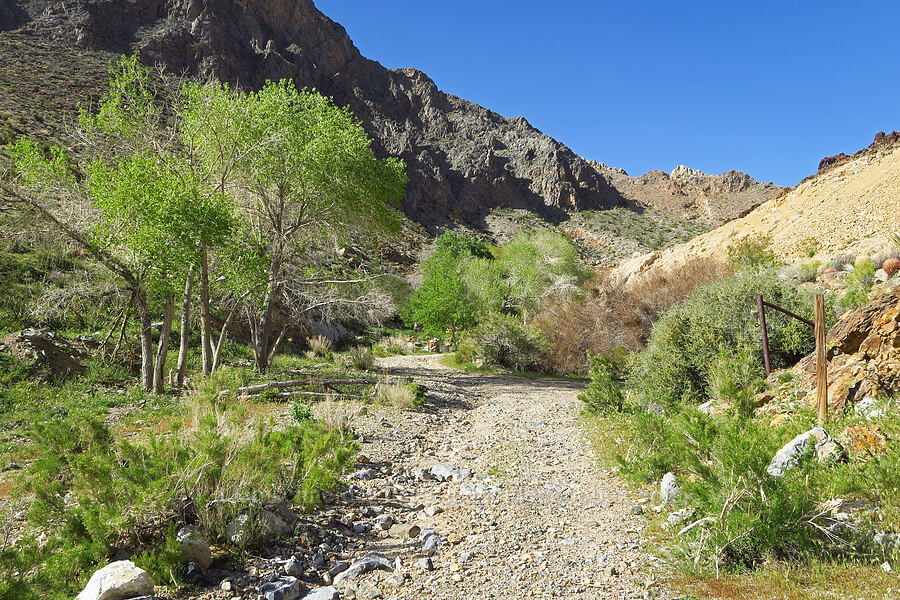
[{"x": 764, "y": 87}]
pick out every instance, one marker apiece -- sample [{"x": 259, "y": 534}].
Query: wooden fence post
[
  {"x": 761, "y": 307},
  {"x": 821, "y": 372}
]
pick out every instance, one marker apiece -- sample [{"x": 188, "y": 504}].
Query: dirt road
[{"x": 526, "y": 511}]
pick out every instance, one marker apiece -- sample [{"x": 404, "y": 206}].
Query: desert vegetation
[
  {"x": 689, "y": 414},
  {"x": 206, "y": 221}
]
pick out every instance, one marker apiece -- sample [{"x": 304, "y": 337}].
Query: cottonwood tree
[
  {"x": 136, "y": 206},
  {"x": 303, "y": 171}
]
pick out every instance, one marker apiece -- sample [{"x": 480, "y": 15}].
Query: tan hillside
[{"x": 850, "y": 204}]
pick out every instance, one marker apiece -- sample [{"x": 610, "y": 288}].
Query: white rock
[
  {"x": 669, "y": 488},
  {"x": 325, "y": 593},
  {"x": 117, "y": 581},
  {"x": 789, "y": 456}
]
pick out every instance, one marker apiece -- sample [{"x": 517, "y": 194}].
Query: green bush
[
  {"x": 752, "y": 254},
  {"x": 717, "y": 318},
  {"x": 604, "y": 393},
  {"x": 859, "y": 283},
  {"x": 504, "y": 341},
  {"x": 94, "y": 494}
]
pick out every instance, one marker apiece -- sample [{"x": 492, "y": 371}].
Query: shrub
[
  {"x": 611, "y": 315},
  {"x": 319, "y": 346},
  {"x": 390, "y": 346},
  {"x": 717, "y": 318},
  {"x": 93, "y": 494},
  {"x": 879, "y": 257},
  {"x": 840, "y": 261},
  {"x": 402, "y": 396},
  {"x": 752, "y": 254},
  {"x": 859, "y": 283},
  {"x": 362, "y": 357},
  {"x": 503, "y": 340},
  {"x": 604, "y": 393}
]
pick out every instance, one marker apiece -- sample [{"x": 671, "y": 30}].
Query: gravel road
[{"x": 526, "y": 513}]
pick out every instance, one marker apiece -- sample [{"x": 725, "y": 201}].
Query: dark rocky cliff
[{"x": 462, "y": 158}]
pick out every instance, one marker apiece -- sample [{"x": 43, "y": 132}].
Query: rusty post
[
  {"x": 821, "y": 372},
  {"x": 765, "y": 334}
]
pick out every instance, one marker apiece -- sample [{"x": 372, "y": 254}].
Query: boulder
[
  {"x": 826, "y": 448},
  {"x": 118, "y": 580},
  {"x": 244, "y": 528},
  {"x": 194, "y": 549},
  {"x": 448, "y": 473}
]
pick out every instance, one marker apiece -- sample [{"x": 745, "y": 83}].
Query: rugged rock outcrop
[
  {"x": 863, "y": 351},
  {"x": 463, "y": 159},
  {"x": 693, "y": 194}
]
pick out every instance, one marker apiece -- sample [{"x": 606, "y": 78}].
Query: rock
[
  {"x": 448, "y": 473},
  {"x": 706, "y": 407},
  {"x": 669, "y": 489},
  {"x": 193, "y": 548},
  {"x": 283, "y": 511},
  {"x": 405, "y": 531},
  {"x": 425, "y": 564},
  {"x": 826, "y": 447},
  {"x": 655, "y": 409},
  {"x": 359, "y": 528},
  {"x": 282, "y": 588},
  {"x": 869, "y": 408},
  {"x": 431, "y": 541},
  {"x": 338, "y": 567},
  {"x": 383, "y": 522},
  {"x": 433, "y": 510},
  {"x": 118, "y": 580},
  {"x": 370, "y": 562},
  {"x": 293, "y": 567},
  {"x": 367, "y": 591},
  {"x": 679, "y": 516},
  {"x": 864, "y": 441},
  {"x": 881, "y": 275},
  {"x": 465, "y": 557},
  {"x": 637, "y": 510},
  {"x": 886, "y": 567},
  {"x": 245, "y": 528},
  {"x": 325, "y": 593},
  {"x": 363, "y": 474}
]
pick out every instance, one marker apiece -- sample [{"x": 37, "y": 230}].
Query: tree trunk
[
  {"x": 140, "y": 299},
  {"x": 185, "y": 329},
  {"x": 162, "y": 349},
  {"x": 263, "y": 330},
  {"x": 205, "y": 326}
]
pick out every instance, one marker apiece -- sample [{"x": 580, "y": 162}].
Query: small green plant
[
  {"x": 163, "y": 562},
  {"x": 859, "y": 284},
  {"x": 604, "y": 393},
  {"x": 402, "y": 396},
  {"x": 752, "y": 254}
]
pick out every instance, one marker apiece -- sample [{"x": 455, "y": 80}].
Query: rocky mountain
[
  {"x": 851, "y": 204},
  {"x": 692, "y": 194},
  {"x": 463, "y": 159}
]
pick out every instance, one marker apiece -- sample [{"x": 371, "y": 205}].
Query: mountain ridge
[{"x": 463, "y": 159}]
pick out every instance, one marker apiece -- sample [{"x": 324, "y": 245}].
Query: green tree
[
  {"x": 302, "y": 170},
  {"x": 443, "y": 302},
  {"x": 136, "y": 205}
]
